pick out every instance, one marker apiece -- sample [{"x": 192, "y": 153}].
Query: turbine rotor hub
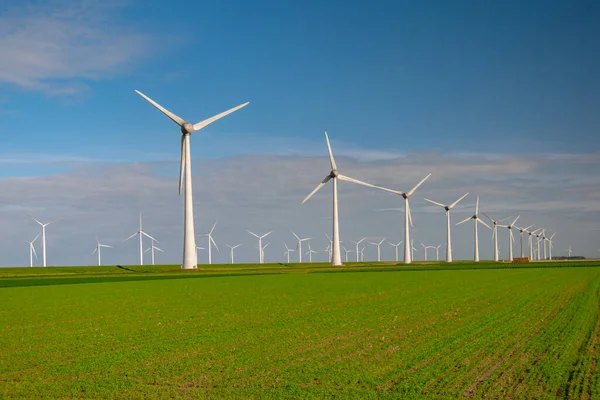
[
  {"x": 334, "y": 173},
  {"x": 187, "y": 128}
]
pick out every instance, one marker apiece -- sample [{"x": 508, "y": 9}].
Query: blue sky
[{"x": 395, "y": 80}]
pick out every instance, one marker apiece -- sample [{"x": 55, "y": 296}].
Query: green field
[{"x": 298, "y": 331}]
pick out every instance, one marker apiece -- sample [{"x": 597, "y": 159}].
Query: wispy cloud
[{"x": 56, "y": 46}]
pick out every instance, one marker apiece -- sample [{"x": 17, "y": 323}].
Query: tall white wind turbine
[
  {"x": 310, "y": 252},
  {"x": 378, "y": 248},
  {"x": 357, "y": 251},
  {"x": 538, "y": 237},
  {"x": 141, "y": 233},
  {"x": 550, "y": 245},
  {"x": 348, "y": 251},
  {"x": 530, "y": 236},
  {"x": 521, "y": 231},
  {"x": 495, "y": 234},
  {"x": 437, "y": 252},
  {"x": 211, "y": 242},
  {"x": 569, "y": 250},
  {"x": 151, "y": 250},
  {"x": 287, "y": 252},
  {"x": 396, "y": 248},
  {"x": 407, "y": 217},
  {"x": 511, "y": 237},
  {"x": 43, "y": 239},
  {"x": 32, "y": 249},
  {"x": 97, "y": 249},
  {"x": 231, "y": 249},
  {"x": 448, "y": 208},
  {"x": 336, "y": 259},
  {"x": 299, "y": 246},
  {"x": 185, "y": 172},
  {"x": 425, "y": 250},
  {"x": 476, "y": 220},
  {"x": 260, "y": 247}
]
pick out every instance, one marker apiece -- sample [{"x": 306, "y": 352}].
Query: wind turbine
[
  {"x": 262, "y": 251},
  {"x": 396, "y": 248},
  {"x": 531, "y": 234},
  {"x": 198, "y": 248},
  {"x": 185, "y": 169},
  {"x": 495, "y": 234},
  {"x": 299, "y": 246},
  {"x": 43, "y": 239},
  {"x": 348, "y": 251},
  {"x": 569, "y": 250},
  {"x": 511, "y": 237},
  {"x": 425, "y": 250},
  {"x": 448, "y": 208},
  {"x": 151, "y": 250},
  {"x": 378, "y": 248},
  {"x": 357, "y": 251},
  {"x": 476, "y": 220},
  {"x": 521, "y": 231},
  {"x": 437, "y": 252},
  {"x": 260, "y": 248},
  {"x": 310, "y": 253},
  {"x": 231, "y": 248},
  {"x": 550, "y": 245},
  {"x": 211, "y": 242},
  {"x": 544, "y": 243},
  {"x": 413, "y": 248},
  {"x": 407, "y": 217},
  {"x": 141, "y": 233},
  {"x": 362, "y": 254},
  {"x": 287, "y": 252},
  {"x": 97, "y": 249},
  {"x": 336, "y": 259},
  {"x": 539, "y": 236},
  {"x": 32, "y": 250}
]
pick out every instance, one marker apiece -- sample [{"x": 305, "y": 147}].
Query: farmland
[{"x": 289, "y": 331}]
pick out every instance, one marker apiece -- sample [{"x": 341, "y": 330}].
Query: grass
[{"x": 431, "y": 330}]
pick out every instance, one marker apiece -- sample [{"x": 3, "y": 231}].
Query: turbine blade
[
  {"x": 348, "y": 179},
  {"x": 515, "y": 220},
  {"x": 168, "y": 113},
  {"x": 464, "y": 220},
  {"x": 409, "y": 214},
  {"x": 297, "y": 237},
  {"x": 156, "y": 248},
  {"x": 477, "y": 206},
  {"x": 94, "y": 252},
  {"x": 267, "y": 234},
  {"x": 436, "y": 203},
  {"x": 38, "y": 235},
  {"x": 150, "y": 237},
  {"x": 253, "y": 234},
  {"x": 488, "y": 217},
  {"x": 214, "y": 243},
  {"x": 213, "y": 228},
  {"x": 456, "y": 202},
  {"x": 210, "y": 120},
  {"x": 182, "y": 163},
  {"x": 327, "y": 178},
  {"x": 130, "y": 237},
  {"x": 481, "y": 222},
  {"x": 331, "y": 160},
  {"x": 418, "y": 184}
]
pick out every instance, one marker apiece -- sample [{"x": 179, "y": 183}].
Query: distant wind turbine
[
  {"x": 32, "y": 250},
  {"x": 97, "y": 249},
  {"x": 495, "y": 234},
  {"x": 357, "y": 251},
  {"x": 476, "y": 220},
  {"x": 531, "y": 234},
  {"x": 521, "y": 231},
  {"x": 211, "y": 242},
  {"x": 336, "y": 259},
  {"x": 185, "y": 171},
  {"x": 396, "y": 248},
  {"x": 569, "y": 250},
  {"x": 151, "y": 250},
  {"x": 43, "y": 239},
  {"x": 511, "y": 237},
  {"x": 231, "y": 249},
  {"x": 407, "y": 217},
  {"x": 348, "y": 251},
  {"x": 448, "y": 208},
  {"x": 260, "y": 248},
  {"x": 310, "y": 252},
  {"x": 287, "y": 252},
  {"x": 299, "y": 246},
  {"x": 141, "y": 233},
  {"x": 437, "y": 252},
  {"x": 378, "y": 248},
  {"x": 198, "y": 248}
]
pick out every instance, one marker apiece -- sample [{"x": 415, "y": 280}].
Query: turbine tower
[
  {"x": 141, "y": 233},
  {"x": 495, "y": 234},
  {"x": 299, "y": 245},
  {"x": 262, "y": 251},
  {"x": 539, "y": 236},
  {"x": 396, "y": 248},
  {"x": 476, "y": 220},
  {"x": 346, "y": 251},
  {"x": 198, "y": 248},
  {"x": 151, "y": 250},
  {"x": 231, "y": 249},
  {"x": 521, "y": 231},
  {"x": 185, "y": 171},
  {"x": 448, "y": 208},
  {"x": 407, "y": 217},
  {"x": 32, "y": 250},
  {"x": 378, "y": 248},
  {"x": 357, "y": 251},
  {"x": 511, "y": 237},
  {"x": 97, "y": 249},
  {"x": 336, "y": 259},
  {"x": 531, "y": 234},
  {"x": 211, "y": 242},
  {"x": 569, "y": 250},
  {"x": 437, "y": 252},
  {"x": 425, "y": 250},
  {"x": 310, "y": 253},
  {"x": 550, "y": 245},
  {"x": 260, "y": 248},
  {"x": 43, "y": 239}
]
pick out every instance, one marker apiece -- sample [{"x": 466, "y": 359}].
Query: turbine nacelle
[{"x": 187, "y": 128}]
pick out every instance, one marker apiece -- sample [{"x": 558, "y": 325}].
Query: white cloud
[
  {"x": 56, "y": 46},
  {"x": 264, "y": 192}
]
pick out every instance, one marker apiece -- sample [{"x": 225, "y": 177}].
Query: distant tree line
[{"x": 569, "y": 258}]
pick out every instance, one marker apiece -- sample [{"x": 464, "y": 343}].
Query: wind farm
[{"x": 304, "y": 254}]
